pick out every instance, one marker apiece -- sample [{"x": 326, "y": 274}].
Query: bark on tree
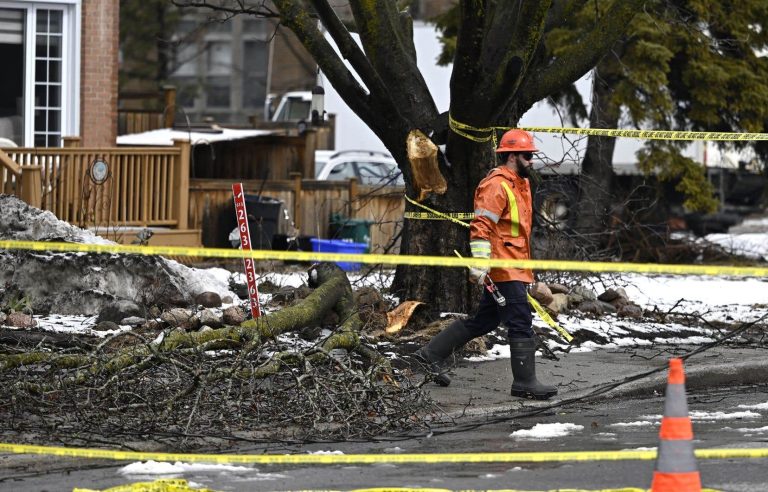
[{"x": 595, "y": 180}]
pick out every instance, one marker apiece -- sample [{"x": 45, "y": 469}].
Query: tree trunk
[
  {"x": 597, "y": 167},
  {"x": 444, "y": 289}
]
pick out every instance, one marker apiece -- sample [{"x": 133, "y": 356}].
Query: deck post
[
  {"x": 32, "y": 185},
  {"x": 296, "y": 200},
  {"x": 181, "y": 183},
  {"x": 169, "y": 112}
]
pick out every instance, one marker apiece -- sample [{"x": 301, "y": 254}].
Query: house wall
[
  {"x": 98, "y": 72},
  {"x": 293, "y": 68}
]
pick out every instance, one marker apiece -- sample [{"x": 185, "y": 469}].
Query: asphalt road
[{"x": 718, "y": 413}]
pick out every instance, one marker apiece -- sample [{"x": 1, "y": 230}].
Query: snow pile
[
  {"x": 83, "y": 284},
  {"x": 748, "y": 239},
  {"x": 197, "y": 280},
  {"x": 546, "y": 431},
  {"x": 751, "y": 245},
  {"x": 20, "y": 222}
]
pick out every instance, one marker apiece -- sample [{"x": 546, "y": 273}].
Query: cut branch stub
[{"x": 422, "y": 154}]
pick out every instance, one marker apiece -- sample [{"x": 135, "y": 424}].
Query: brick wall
[{"x": 98, "y": 75}]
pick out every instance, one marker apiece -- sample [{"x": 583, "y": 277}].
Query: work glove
[{"x": 480, "y": 248}]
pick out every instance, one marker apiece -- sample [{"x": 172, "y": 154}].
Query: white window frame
[{"x": 70, "y": 69}]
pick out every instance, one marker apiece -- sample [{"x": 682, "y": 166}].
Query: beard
[{"x": 523, "y": 171}]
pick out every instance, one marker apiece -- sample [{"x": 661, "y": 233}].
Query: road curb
[
  {"x": 700, "y": 374},
  {"x": 696, "y": 377}
]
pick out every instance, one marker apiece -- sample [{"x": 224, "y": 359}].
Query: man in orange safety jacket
[{"x": 501, "y": 229}]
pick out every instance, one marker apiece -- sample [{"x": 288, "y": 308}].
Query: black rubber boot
[
  {"x": 523, "y": 359},
  {"x": 440, "y": 347}
]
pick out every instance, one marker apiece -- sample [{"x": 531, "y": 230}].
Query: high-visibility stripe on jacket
[{"x": 503, "y": 217}]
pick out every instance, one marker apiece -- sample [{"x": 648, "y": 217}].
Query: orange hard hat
[{"x": 516, "y": 140}]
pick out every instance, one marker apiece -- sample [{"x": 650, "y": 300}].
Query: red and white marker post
[{"x": 245, "y": 244}]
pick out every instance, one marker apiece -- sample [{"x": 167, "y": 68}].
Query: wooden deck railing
[
  {"x": 22, "y": 181},
  {"x": 145, "y": 187}
]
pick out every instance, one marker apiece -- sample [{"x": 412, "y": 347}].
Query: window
[
  {"x": 342, "y": 171},
  {"x": 219, "y": 58},
  {"x": 255, "y": 55},
  {"x": 12, "y": 82},
  {"x": 217, "y": 92},
  {"x": 294, "y": 109},
  {"x": 38, "y": 92},
  {"x": 221, "y": 67},
  {"x": 185, "y": 59},
  {"x": 379, "y": 174},
  {"x": 48, "y": 78}
]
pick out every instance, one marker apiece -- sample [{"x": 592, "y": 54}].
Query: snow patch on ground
[
  {"x": 751, "y": 245},
  {"x": 494, "y": 353},
  {"x": 703, "y": 415},
  {"x": 546, "y": 431},
  {"x": 752, "y": 430},
  {"x": 638, "y": 423},
  {"x": 665, "y": 290},
  {"x": 758, "y": 406},
  {"x": 76, "y": 325},
  {"x": 178, "y": 468}
]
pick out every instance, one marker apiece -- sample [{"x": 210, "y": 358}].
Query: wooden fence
[
  {"x": 145, "y": 186},
  {"x": 160, "y": 114},
  {"x": 310, "y": 204}
]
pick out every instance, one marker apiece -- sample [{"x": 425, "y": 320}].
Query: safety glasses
[{"x": 527, "y": 155}]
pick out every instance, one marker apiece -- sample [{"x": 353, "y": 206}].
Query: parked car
[
  {"x": 370, "y": 167},
  {"x": 292, "y": 107}
]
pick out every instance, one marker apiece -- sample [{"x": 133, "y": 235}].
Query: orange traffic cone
[{"x": 676, "y": 469}]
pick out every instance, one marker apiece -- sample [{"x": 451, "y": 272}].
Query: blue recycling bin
[{"x": 336, "y": 246}]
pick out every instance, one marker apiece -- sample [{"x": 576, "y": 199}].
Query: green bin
[{"x": 354, "y": 230}]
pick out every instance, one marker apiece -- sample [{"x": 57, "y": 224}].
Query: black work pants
[{"x": 515, "y": 315}]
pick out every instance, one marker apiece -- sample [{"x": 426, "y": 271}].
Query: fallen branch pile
[{"x": 200, "y": 388}]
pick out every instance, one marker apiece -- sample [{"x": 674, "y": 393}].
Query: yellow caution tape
[
  {"x": 162, "y": 485},
  {"x": 464, "y": 130},
  {"x": 407, "y": 489},
  {"x": 334, "y": 459},
  {"x": 441, "y": 261},
  {"x": 654, "y": 134},
  {"x": 452, "y": 216},
  {"x": 439, "y": 215},
  {"x": 165, "y": 486},
  {"x": 488, "y": 133},
  {"x": 548, "y": 319}
]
